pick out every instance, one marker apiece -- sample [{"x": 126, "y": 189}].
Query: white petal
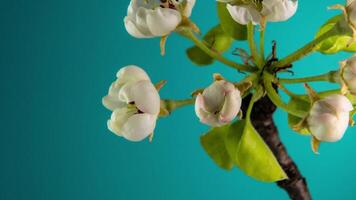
[
  {"x": 244, "y": 14},
  {"x": 118, "y": 118},
  {"x": 189, "y": 7},
  {"x": 214, "y": 96},
  {"x": 139, "y": 126},
  {"x": 231, "y": 106},
  {"x": 279, "y": 10},
  {"x": 162, "y": 21},
  {"x": 136, "y": 31},
  {"x": 328, "y": 128},
  {"x": 339, "y": 102},
  {"x": 111, "y": 101},
  {"x": 131, "y": 73},
  {"x": 143, "y": 94},
  {"x": 204, "y": 116}
]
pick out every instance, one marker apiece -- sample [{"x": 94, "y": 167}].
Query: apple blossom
[
  {"x": 135, "y": 103},
  {"x": 154, "y": 18},
  {"x": 219, "y": 104},
  {"x": 271, "y": 10},
  {"x": 348, "y": 75},
  {"x": 329, "y": 118}
]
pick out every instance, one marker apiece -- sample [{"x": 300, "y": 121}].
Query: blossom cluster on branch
[{"x": 323, "y": 115}]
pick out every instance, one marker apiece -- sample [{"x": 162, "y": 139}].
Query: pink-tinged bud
[
  {"x": 219, "y": 104},
  {"x": 348, "y": 73},
  {"x": 329, "y": 118}
]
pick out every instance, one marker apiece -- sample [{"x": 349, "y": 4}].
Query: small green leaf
[
  {"x": 301, "y": 103},
  {"x": 251, "y": 154},
  {"x": 229, "y": 25},
  {"x": 340, "y": 41},
  {"x": 217, "y": 40},
  {"x": 214, "y": 144},
  {"x": 199, "y": 57}
]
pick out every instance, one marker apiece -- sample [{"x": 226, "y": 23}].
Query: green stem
[
  {"x": 251, "y": 43},
  {"x": 304, "y": 51},
  {"x": 249, "y": 109},
  {"x": 276, "y": 99},
  {"x": 329, "y": 77},
  {"x": 190, "y": 35},
  {"x": 329, "y": 92},
  {"x": 262, "y": 44},
  {"x": 171, "y": 105}
]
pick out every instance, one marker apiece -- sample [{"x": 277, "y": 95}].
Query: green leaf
[
  {"x": 251, "y": 154},
  {"x": 217, "y": 40},
  {"x": 229, "y": 25},
  {"x": 239, "y": 144},
  {"x": 301, "y": 103},
  {"x": 199, "y": 57},
  {"x": 338, "y": 42},
  {"x": 214, "y": 144}
]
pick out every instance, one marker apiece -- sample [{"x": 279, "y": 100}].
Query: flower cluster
[{"x": 135, "y": 101}]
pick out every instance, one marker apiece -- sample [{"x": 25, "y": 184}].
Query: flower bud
[
  {"x": 329, "y": 118},
  {"x": 154, "y": 18},
  {"x": 348, "y": 74},
  {"x": 351, "y": 10},
  {"x": 272, "y": 10},
  {"x": 135, "y": 103},
  {"x": 219, "y": 104}
]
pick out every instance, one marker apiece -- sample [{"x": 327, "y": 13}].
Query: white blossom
[
  {"x": 154, "y": 18},
  {"x": 272, "y": 10},
  {"x": 135, "y": 103},
  {"x": 329, "y": 118},
  {"x": 219, "y": 104}
]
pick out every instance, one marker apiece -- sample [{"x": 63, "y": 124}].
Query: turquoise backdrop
[{"x": 57, "y": 60}]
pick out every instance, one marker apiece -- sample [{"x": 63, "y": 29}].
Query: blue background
[{"x": 57, "y": 60}]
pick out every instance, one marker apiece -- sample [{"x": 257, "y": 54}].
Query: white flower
[
  {"x": 329, "y": 118},
  {"x": 348, "y": 74},
  {"x": 272, "y": 10},
  {"x": 219, "y": 104},
  {"x": 135, "y": 103},
  {"x": 154, "y": 18},
  {"x": 351, "y": 10}
]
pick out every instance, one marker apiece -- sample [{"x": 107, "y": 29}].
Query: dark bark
[{"x": 262, "y": 119}]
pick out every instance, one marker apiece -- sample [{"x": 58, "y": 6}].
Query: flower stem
[
  {"x": 171, "y": 105},
  {"x": 262, "y": 44},
  {"x": 304, "y": 51},
  {"x": 276, "y": 99},
  {"x": 190, "y": 35},
  {"x": 251, "y": 43},
  {"x": 329, "y": 77}
]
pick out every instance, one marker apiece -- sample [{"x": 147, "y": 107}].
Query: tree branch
[{"x": 262, "y": 119}]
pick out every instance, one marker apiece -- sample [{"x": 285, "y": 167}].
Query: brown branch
[{"x": 262, "y": 119}]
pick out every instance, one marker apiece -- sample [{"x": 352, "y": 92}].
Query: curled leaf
[{"x": 341, "y": 41}]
